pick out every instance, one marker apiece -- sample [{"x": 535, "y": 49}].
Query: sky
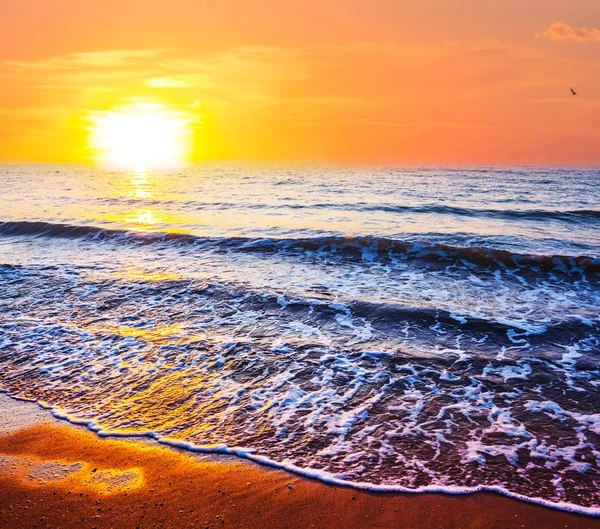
[{"x": 363, "y": 81}]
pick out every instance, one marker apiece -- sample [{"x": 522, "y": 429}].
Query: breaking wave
[{"x": 353, "y": 248}]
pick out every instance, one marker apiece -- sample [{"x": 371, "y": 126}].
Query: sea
[{"x": 404, "y": 329}]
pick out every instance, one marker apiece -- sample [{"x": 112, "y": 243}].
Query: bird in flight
[{"x": 573, "y": 91}]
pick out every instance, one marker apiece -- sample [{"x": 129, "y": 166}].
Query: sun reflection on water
[
  {"x": 145, "y": 217},
  {"x": 140, "y": 185},
  {"x": 158, "y": 333},
  {"x": 151, "y": 275}
]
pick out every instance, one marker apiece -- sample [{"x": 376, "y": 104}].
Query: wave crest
[{"x": 356, "y": 248}]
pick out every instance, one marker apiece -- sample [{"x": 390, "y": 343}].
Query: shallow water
[{"x": 405, "y": 329}]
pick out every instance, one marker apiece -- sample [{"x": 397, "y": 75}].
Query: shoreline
[
  {"x": 263, "y": 462},
  {"x": 57, "y": 474}
]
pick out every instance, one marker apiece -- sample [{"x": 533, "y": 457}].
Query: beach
[{"x": 54, "y": 474}]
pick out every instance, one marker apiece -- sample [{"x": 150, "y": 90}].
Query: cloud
[
  {"x": 551, "y": 100},
  {"x": 91, "y": 59},
  {"x": 405, "y": 124},
  {"x": 563, "y": 31},
  {"x": 166, "y": 82}
]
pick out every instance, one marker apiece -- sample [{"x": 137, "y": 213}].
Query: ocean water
[{"x": 404, "y": 329}]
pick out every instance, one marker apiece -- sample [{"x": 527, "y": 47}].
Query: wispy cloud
[
  {"x": 166, "y": 82},
  {"x": 404, "y": 124},
  {"x": 93, "y": 59},
  {"x": 563, "y": 31},
  {"x": 552, "y": 100}
]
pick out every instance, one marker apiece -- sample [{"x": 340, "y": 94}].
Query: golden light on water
[
  {"x": 140, "y": 186},
  {"x": 141, "y": 137}
]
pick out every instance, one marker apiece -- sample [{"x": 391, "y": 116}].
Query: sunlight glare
[{"x": 141, "y": 137}]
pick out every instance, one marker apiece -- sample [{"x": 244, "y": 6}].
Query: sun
[{"x": 141, "y": 137}]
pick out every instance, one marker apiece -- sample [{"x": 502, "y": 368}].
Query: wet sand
[{"x": 56, "y": 475}]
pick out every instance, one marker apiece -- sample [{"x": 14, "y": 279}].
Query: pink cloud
[{"x": 563, "y": 31}]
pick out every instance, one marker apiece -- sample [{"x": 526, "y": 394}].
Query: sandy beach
[{"x": 54, "y": 474}]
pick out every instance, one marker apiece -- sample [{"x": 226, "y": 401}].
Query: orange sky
[{"x": 379, "y": 81}]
